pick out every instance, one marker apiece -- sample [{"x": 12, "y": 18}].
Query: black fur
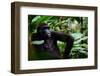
[{"x": 50, "y": 42}]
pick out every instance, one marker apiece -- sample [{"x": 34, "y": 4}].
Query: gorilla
[{"x": 48, "y": 49}]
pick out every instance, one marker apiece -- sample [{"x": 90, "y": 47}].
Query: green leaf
[
  {"x": 79, "y": 40},
  {"x": 40, "y": 19},
  {"x": 77, "y": 35}
]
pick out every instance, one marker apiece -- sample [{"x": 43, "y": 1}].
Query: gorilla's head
[{"x": 44, "y": 30}]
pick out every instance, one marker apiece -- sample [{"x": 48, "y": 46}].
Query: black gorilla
[{"x": 49, "y": 49}]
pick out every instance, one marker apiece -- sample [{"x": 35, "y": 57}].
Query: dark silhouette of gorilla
[{"x": 49, "y": 49}]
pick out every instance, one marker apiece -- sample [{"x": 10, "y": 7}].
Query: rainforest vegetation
[{"x": 76, "y": 26}]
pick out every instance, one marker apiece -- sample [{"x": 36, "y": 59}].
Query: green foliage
[{"x": 76, "y": 26}]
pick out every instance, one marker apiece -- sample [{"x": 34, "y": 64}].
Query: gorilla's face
[{"x": 45, "y": 32}]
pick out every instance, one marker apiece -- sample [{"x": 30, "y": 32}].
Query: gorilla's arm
[{"x": 68, "y": 39}]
